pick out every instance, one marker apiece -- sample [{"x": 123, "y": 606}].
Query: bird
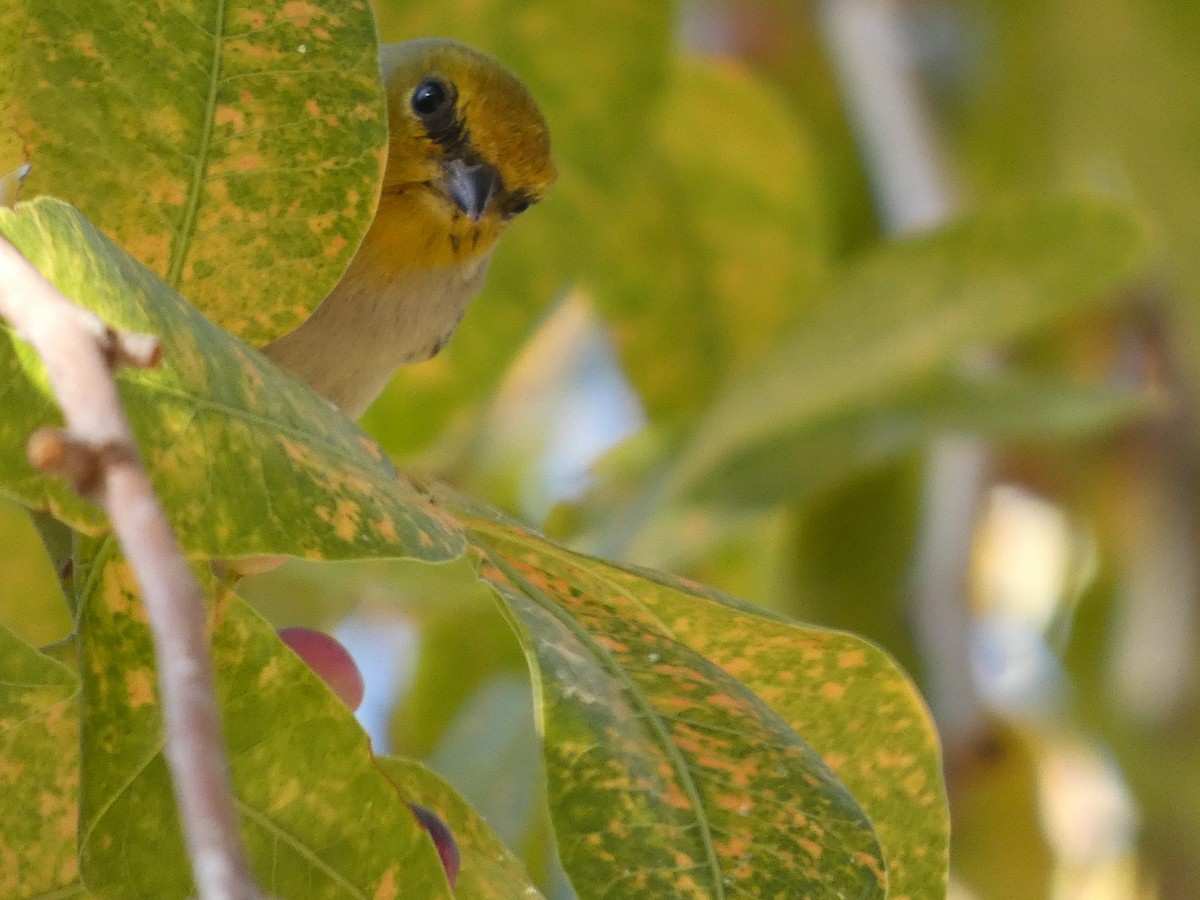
[{"x": 468, "y": 151}]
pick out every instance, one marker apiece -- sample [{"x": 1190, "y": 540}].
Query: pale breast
[{"x": 354, "y": 341}]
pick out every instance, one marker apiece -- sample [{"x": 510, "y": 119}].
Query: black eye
[
  {"x": 519, "y": 205},
  {"x": 431, "y": 97}
]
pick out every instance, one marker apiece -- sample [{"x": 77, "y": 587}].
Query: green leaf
[
  {"x": 847, "y": 558},
  {"x": 31, "y": 602},
  {"x": 1136, "y": 58},
  {"x": 318, "y": 818},
  {"x": 848, "y": 699},
  {"x": 627, "y": 519},
  {"x": 245, "y": 458},
  {"x": 667, "y": 776},
  {"x": 722, "y": 241},
  {"x": 235, "y": 148},
  {"x": 908, "y": 309},
  {"x": 1024, "y": 407},
  {"x": 489, "y": 870},
  {"x": 796, "y": 462},
  {"x": 799, "y": 62},
  {"x": 13, "y": 16},
  {"x": 39, "y": 773}
]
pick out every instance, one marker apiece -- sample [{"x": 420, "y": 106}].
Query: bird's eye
[
  {"x": 431, "y": 97},
  {"x": 518, "y": 205}
]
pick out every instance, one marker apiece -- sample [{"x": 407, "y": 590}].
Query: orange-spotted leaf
[
  {"x": 845, "y": 696},
  {"x": 245, "y": 458},
  {"x": 318, "y": 818},
  {"x": 667, "y": 776},
  {"x": 39, "y": 773},
  {"x": 235, "y": 147}
]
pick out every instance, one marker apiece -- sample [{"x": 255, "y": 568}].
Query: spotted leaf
[
  {"x": 245, "y": 458},
  {"x": 848, "y": 699},
  {"x": 318, "y": 818},
  {"x": 233, "y": 146},
  {"x": 667, "y": 776},
  {"x": 39, "y": 773}
]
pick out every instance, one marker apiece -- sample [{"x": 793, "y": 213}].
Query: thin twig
[{"x": 99, "y": 454}]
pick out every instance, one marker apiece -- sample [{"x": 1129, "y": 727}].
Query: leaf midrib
[
  {"x": 651, "y": 714},
  {"x": 183, "y": 238}
]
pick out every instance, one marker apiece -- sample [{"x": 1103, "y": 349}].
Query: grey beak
[{"x": 471, "y": 186}]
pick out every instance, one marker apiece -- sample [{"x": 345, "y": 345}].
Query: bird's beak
[{"x": 472, "y": 186}]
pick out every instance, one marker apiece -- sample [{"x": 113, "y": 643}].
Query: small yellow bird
[{"x": 468, "y": 151}]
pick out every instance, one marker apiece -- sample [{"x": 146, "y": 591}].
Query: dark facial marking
[{"x": 434, "y": 101}]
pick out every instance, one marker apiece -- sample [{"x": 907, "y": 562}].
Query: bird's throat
[{"x": 354, "y": 341}]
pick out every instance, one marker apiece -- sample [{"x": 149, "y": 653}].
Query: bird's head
[{"x": 468, "y": 151}]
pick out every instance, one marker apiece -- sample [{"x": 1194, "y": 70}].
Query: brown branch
[{"x": 97, "y": 452}]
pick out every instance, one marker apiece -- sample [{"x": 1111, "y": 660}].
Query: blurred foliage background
[{"x": 1014, "y": 516}]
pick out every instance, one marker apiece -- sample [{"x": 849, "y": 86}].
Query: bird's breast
[{"x": 353, "y": 342}]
